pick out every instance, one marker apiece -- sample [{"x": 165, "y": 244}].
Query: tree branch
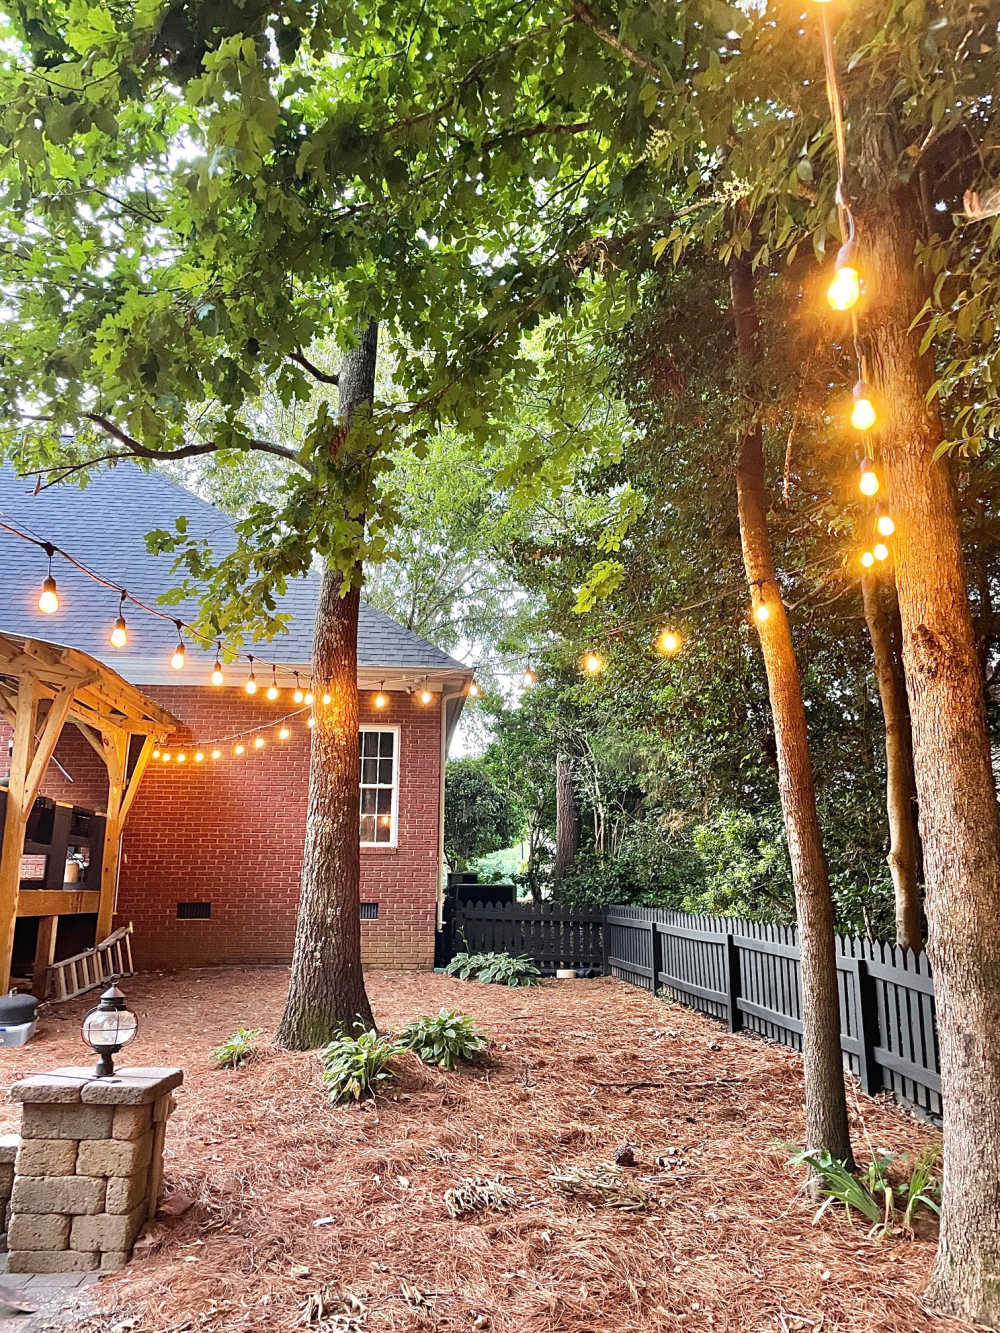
[
  {"x": 313, "y": 369},
  {"x": 584, "y": 14}
]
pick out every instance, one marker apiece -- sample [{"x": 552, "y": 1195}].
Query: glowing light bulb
[
  {"x": 474, "y": 690},
  {"x": 762, "y": 611},
  {"x": 251, "y": 684},
  {"x": 198, "y": 756},
  {"x": 272, "y": 692},
  {"x": 177, "y": 660},
  {"x": 156, "y": 754},
  {"x": 119, "y": 635},
  {"x": 863, "y": 411},
  {"x": 868, "y": 483},
  {"x": 217, "y": 677},
  {"x": 181, "y": 757},
  {"x": 216, "y": 754},
  {"x": 239, "y": 749},
  {"x": 310, "y": 721},
  {"x": 844, "y": 290},
  {"x": 380, "y": 700},
  {"x": 425, "y": 695},
  {"x": 885, "y": 525},
  {"x": 308, "y": 698},
  {"x": 258, "y": 742},
  {"x": 528, "y": 679},
  {"x": 326, "y": 698},
  {"x": 48, "y": 600},
  {"x": 880, "y": 551},
  {"x": 165, "y": 756},
  {"x": 284, "y": 734},
  {"x": 592, "y": 663},
  {"x": 297, "y": 696},
  {"x": 867, "y": 559},
  {"x": 668, "y": 642}
]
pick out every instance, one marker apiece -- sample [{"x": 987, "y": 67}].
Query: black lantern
[{"x": 108, "y": 1028}]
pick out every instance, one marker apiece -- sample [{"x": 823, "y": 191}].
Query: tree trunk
[
  {"x": 882, "y": 618},
  {"x": 951, "y": 749},
  {"x": 326, "y": 993},
  {"x": 826, "y": 1102},
  {"x": 567, "y": 820}
]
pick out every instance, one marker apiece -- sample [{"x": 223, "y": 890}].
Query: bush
[
  {"x": 353, "y": 1066},
  {"x": 502, "y": 969},
  {"x": 237, "y": 1049},
  {"x": 443, "y": 1040}
]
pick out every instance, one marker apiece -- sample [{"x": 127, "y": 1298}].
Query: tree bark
[
  {"x": 959, "y": 824},
  {"x": 326, "y": 993},
  {"x": 567, "y": 820},
  {"x": 882, "y": 618},
  {"x": 826, "y": 1102}
]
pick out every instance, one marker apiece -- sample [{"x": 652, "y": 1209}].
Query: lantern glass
[{"x": 113, "y": 1027}]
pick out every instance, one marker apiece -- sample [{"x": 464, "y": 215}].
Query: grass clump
[
  {"x": 355, "y": 1064},
  {"x": 871, "y": 1191},
  {"x": 238, "y": 1048},
  {"x": 500, "y": 969},
  {"x": 444, "y": 1039}
]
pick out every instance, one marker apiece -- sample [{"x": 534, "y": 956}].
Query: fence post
[
  {"x": 732, "y": 977},
  {"x": 604, "y": 942},
  {"x": 870, "y": 1072},
  {"x": 655, "y": 953}
]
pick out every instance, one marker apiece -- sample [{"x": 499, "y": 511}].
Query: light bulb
[
  {"x": 198, "y": 756},
  {"x": 863, "y": 412},
  {"x": 380, "y": 700},
  {"x": 326, "y": 698},
  {"x": 181, "y": 757},
  {"x": 156, "y": 754},
  {"x": 592, "y": 663},
  {"x": 885, "y": 525},
  {"x": 272, "y": 692},
  {"x": 217, "y": 677},
  {"x": 239, "y": 749},
  {"x": 867, "y": 559},
  {"x": 165, "y": 756},
  {"x": 844, "y": 290},
  {"x": 868, "y": 483},
  {"x": 762, "y": 611},
  {"x": 48, "y": 601},
  {"x": 880, "y": 551},
  {"x": 251, "y": 684},
  {"x": 119, "y": 635},
  {"x": 216, "y": 754},
  {"x": 258, "y": 742},
  {"x": 297, "y": 696},
  {"x": 474, "y": 690},
  {"x": 307, "y": 700},
  {"x": 425, "y": 695},
  {"x": 310, "y": 721},
  {"x": 528, "y": 679},
  {"x": 668, "y": 642},
  {"x": 284, "y": 734},
  {"x": 177, "y": 660}
]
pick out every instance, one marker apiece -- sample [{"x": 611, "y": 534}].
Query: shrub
[
  {"x": 443, "y": 1040},
  {"x": 237, "y": 1049},
  {"x": 353, "y": 1066},
  {"x": 503, "y": 969}
]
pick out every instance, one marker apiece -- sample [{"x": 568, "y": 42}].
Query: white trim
[{"x": 396, "y": 770}]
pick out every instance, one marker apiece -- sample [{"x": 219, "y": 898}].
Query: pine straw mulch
[{"x": 293, "y": 1214}]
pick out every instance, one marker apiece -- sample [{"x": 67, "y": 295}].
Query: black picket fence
[{"x": 743, "y": 973}]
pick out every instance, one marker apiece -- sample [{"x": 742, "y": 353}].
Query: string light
[
  {"x": 198, "y": 756},
  {"x": 48, "y": 600},
  {"x": 216, "y": 754},
  {"x": 863, "y": 415},
  {"x": 474, "y": 691},
  {"x": 258, "y": 742},
  {"x": 425, "y": 696},
  {"x": 308, "y": 698},
  {"x": 239, "y": 748},
  {"x": 272, "y": 689},
  {"x": 119, "y": 633},
  {"x": 251, "y": 681},
  {"x": 380, "y": 700},
  {"x": 880, "y": 551},
  {"x": 165, "y": 756},
  {"x": 867, "y": 559},
  {"x": 844, "y": 290},
  {"x": 297, "y": 695},
  {"x": 885, "y": 525},
  {"x": 529, "y": 679},
  {"x": 668, "y": 642},
  {"x": 181, "y": 757},
  {"x": 310, "y": 721},
  {"x": 156, "y": 754},
  {"x": 177, "y": 660},
  {"x": 762, "y": 611},
  {"x": 284, "y": 734},
  {"x": 592, "y": 663},
  {"x": 217, "y": 677},
  {"x": 326, "y": 699},
  {"x": 868, "y": 482}
]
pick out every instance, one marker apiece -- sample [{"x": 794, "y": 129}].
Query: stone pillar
[{"x": 88, "y": 1169}]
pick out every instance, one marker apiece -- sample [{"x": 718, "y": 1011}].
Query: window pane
[
  {"x": 370, "y": 739},
  {"x": 385, "y": 772},
  {"x": 369, "y": 770},
  {"x": 367, "y": 828},
  {"x": 384, "y": 806},
  {"x": 383, "y": 831},
  {"x": 368, "y": 806}
]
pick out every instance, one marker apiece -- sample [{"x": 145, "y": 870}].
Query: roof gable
[{"x": 104, "y": 526}]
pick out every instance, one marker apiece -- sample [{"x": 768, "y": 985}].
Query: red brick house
[{"x": 211, "y": 849}]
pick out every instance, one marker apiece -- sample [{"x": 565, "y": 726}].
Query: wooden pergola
[{"x": 44, "y": 686}]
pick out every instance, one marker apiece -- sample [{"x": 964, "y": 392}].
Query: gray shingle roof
[{"x": 104, "y": 526}]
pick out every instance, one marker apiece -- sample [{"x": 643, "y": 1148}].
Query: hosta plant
[
  {"x": 502, "y": 969},
  {"x": 354, "y": 1065},
  {"x": 237, "y": 1049},
  {"x": 443, "y": 1039}
]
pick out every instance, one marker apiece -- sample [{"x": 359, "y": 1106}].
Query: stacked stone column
[{"x": 88, "y": 1170}]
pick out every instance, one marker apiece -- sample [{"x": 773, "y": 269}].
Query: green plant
[
  {"x": 237, "y": 1049},
  {"x": 870, "y": 1191},
  {"x": 502, "y": 969},
  {"x": 354, "y": 1065},
  {"x": 923, "y": 1187},
  {"x": 443, "y": 1039}
]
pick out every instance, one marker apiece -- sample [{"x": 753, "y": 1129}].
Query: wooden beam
[
  {"x": 116, "y": 758},
  {"x": 45, "y": 952},
  {"x": 46, "y": 745},
  {"x": 15, "y": 818},
  {"x": 141, "y": 764},
  {"x": 57, "y": 902}
]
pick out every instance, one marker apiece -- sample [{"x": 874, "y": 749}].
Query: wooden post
[
  {"x": 45, "y": 952},
  {"x": 15, "y": 819},
  {"x": 732, "y": 976},
  {"x": 656, "y": 953},
  {"x": 869, "y": 1069},
  {"x": 114, "y": 746}
]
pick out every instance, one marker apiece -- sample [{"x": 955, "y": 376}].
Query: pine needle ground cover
[{"x": 284, "y": 1212}]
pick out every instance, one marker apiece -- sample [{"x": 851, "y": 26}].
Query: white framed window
[{"x": 378, "y": 773}]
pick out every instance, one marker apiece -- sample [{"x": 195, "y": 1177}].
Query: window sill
[{"x": 380, "y": 847}]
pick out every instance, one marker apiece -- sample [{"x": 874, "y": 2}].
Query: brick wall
[{"x": 230, "y": 833}]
